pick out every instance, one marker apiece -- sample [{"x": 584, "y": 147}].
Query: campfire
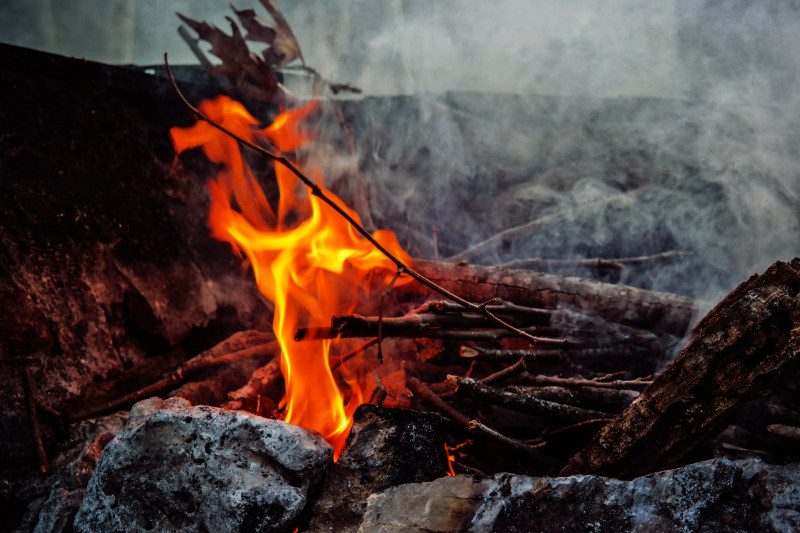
[{"x": 249, "y": 325}]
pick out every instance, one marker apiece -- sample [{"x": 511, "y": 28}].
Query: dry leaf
[
  {"x": 256, "y": 31},
  {"x": 251, "y": 74},
  {"x": 285, "y": 48}
]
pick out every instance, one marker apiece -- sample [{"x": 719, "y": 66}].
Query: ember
[{"x": 310, "y": 269}]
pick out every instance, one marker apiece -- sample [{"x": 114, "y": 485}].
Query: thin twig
[
  {"x": 442, "y": 327},
  {"x": 501, "y": 375},
  {"x": 402, "y": 268},
  {"x": 473, "y": 426},
  {"x": 579, "y": 382},
  {"x": 181, "y": 374},
  {"x": 525, "y": 404},
  {"x": 337, "y": 362}
]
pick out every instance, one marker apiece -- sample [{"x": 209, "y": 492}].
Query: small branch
[
  {"x": 338, "y": 361},
  {"x": 182, "y": 373},
  {"x": 580, "y": 424},
  {"x": 473, "y": 426},
  {"x": 611, "y": 400},
  {"x": 461, "y": 468},
  {"x": 538, "y": 356},
  {"x": 428, "y": 326},
  {"x": 579, "y": 382},
  {"x": 402, "y": 268},
  {"x": 524, "y": 404},
  {"x": 502, "y": 375},
  {"x": 627, "y": 198}
]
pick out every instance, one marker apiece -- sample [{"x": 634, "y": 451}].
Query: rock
[
  {"x": 385, "y": 448},
  {"x": 59, "y": 510},
  {"x": 180, "y": 468},
  {"x": 716, "y": 495}
]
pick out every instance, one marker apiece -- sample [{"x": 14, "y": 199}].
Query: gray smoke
[{"x": 614, "y": 128}]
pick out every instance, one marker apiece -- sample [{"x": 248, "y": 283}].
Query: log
[
  {"x": 650, "y": 310},
  {"x": 738, "y": 349},
  {"x": 611, "y": 400},
  {"x": 527, "y": 404}
]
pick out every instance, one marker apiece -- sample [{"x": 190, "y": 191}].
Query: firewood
[
  {"x": 530, "y": 405},
  {"x": 611, "y": 400},
  {"x": 580, "y": 382},
  {"x": 429, "y": 327},
  {"x": 738, "y": 349},
  {"x": 473, "y": 426},
  {"x": 649, "y": 310}
]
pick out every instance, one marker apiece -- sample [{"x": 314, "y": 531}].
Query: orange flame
[{"x": 310, "y": 269}]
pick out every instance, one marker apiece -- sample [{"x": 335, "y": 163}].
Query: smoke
[{"x": 613, "y": 129}]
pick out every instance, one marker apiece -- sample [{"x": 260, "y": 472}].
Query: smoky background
[{"x": 612, "y": 128}]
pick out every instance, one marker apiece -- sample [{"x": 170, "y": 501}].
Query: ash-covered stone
[
  {"x": 180, "y": 468},
  {"x": 385, "y": 448},
  {"x": 713, "y": 496}
]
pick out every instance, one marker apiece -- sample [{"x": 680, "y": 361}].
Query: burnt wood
[
  {"x": 737, "y": 350},
  {"x": 655, "y": 311}
]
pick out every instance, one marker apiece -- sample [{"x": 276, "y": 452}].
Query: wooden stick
[
  {"x": 611, "y": 400},
  {"x": 740, "y": 348},
  {"x": 473, "y": 426},
  {"x": 580, "y": 382},
  {"x": 508, "y": 372},
  {"x": 429, "y": 327},
  {"x": 524, "y": 404},
  {"x": 204, "y": 361},
  {"x": 649, "y": 310}
]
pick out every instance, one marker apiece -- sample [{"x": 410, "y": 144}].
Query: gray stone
[
  {"x": 385, "y": 448},
  {"x": 717, "y": 495},
  {"x": 59, "y": 510},
  {"x": 181, "y": 468}
]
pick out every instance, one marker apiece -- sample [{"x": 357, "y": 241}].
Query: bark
[
  {"x": 655, "y": 311},
  {"x": 740, "y": 348},
  {"x": 612, "y": 400},
  {"x": 523, "y": 403}
]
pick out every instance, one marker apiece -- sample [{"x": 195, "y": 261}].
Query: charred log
[{"x": 738, "y": 349}]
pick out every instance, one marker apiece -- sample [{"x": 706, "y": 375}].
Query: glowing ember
[{"x": 310, "y": 269}]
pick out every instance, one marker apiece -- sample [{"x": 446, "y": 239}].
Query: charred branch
[
  {"x": 527, "y": 404},
  {"x": 206, "y": 361},
  {"x": 649, "y": 310},
  {"x": 740, "y": 347}
]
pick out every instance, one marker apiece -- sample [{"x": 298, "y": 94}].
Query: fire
[{"x": 306, "y": 258}]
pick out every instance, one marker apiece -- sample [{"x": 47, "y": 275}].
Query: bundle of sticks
[{"x": 588, "y": 395}]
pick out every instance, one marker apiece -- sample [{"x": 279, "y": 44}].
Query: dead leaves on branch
[{"x": 253, "y": 74}]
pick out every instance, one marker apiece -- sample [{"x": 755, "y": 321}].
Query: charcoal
[{"x": 386, "y": 448}]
